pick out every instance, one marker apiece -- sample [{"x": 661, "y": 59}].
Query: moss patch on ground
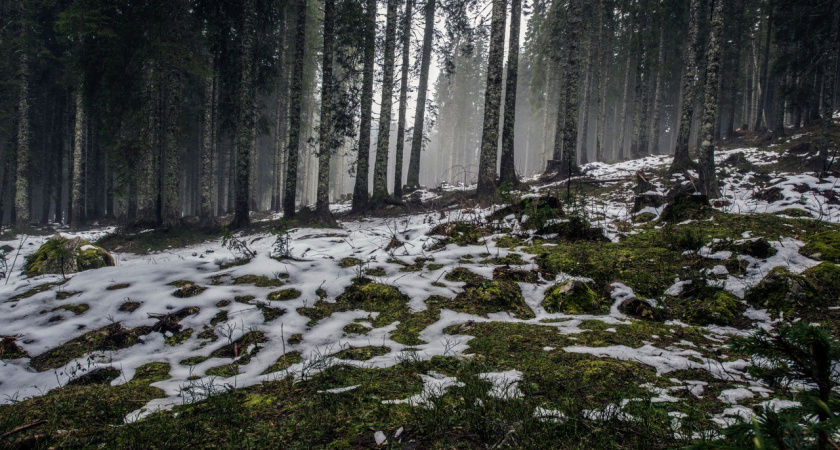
[
  {"x": 826, "y": 244},
  {"x": 362, "y": 353},
  {"x": 284, "y": 294},
  {"x": 574, "y": 297},
  {"x": 111, "y": 337},
  {"x": 258, "y": 281}
]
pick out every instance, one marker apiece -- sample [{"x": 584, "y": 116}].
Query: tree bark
[
  {"x": 295, "y": 114},
  {"x": 413, "y": 180},
  {"x": 708, "y": 180},
  {"x": 21, "y": 203},
  {"x": 660, "y": 88},
  {"x": 325, "y": 139},
  {"x": 406, "y": 47},
  {"x": 763, "y": 80},
  {"x": 380, "y": 169},
  {"x": 829, "y": 83},
  {"x": 360, "y": 188},
  {"x": 281, "y": 117},
  {"x": 619, "y": 151},
  {"x": 602, "y": 72},
  {"x": 76, "y": 205},
  {"x": 587, "y": 96},
  {"x": 507, "y": 169},
  {"x": 207, "y": 147},
  {"x": 245, "y": 121},
  {"x": 682, "y": 159},
  {"x": 492, "y": 104},
  {"x": 170, "y": 162},
  {"x": 570, "y": 125}
]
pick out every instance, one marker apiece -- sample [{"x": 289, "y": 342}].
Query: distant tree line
[{"x": 158, "y": 111}]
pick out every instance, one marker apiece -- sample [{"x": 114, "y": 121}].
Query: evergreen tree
[{"x": 492, "y": 104}]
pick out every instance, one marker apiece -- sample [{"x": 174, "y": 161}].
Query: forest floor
[{"x": 570, "y": 317}]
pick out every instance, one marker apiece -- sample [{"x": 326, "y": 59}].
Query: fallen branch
[{"x": 24, "y": 427}]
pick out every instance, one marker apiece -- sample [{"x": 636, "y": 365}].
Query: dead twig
[{"x": 24, "y": 427}]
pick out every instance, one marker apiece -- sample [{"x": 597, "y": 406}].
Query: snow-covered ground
[{"x": 317, "y": 253}]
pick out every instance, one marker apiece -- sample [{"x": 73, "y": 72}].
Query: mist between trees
[{"x": 158, "y": 110}]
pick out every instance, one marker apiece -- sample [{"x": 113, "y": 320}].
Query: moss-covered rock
[
  {"x": 573, "y": 297},
  {"x": 464, "y": 275},
  {"x": 826, "y": 280},
  {"x": 825, "y": 246},
  {"x": 61, "y": 255},
  {"x": 782, "y": 290},
  {"x": 720, "y": 308},
  {"x": 284, "y": 294},
  {"x": 492, "y": 296}
]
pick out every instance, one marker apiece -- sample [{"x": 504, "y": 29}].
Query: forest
[{"x": 420, "y": 224}]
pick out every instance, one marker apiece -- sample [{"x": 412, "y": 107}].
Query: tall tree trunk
[
  {"x": 507, "y": 169},
  {"x": 295, "y": 114},
  {"x": 380, "y": 169},
  {"x": 360, "y": 187},
  {"x": 492, "y": 103},
  {"x": 682, "y": 159},
  {"x": 281, "y": 117},
  {"x": 76, "y": 205},
  {"x": 587, "y": 96},
  {"x": 570, "y": 125},
  {"x": 325, "y": 140},
  {"x": 207, "y": 147},
  {"x": 602, "y": 72},
  {"x": 170, "y": 162},
  {"x": 829, "y": 86},
  {"x": 21, "y": 204},
  {"x": 642, "y": 73},
  {"x": 620, "y": 152},
  {"x": 406, "y": 48},
  {"x": 660, "y": 88},
  {"x": 778, "y": 126},
  {"x": 245, "y": 122},
  {"x": 763, "y": 81},
  {"x": 413, "y": 181},
  {"x": 708, "y": 180}
]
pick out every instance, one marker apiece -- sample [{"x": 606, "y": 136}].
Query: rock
[
  {"x": 758, "y": 248},
  {"x": 826, "y": 280},
  {"x": 782, "y": 290},
  {"x": 686, "y": 206},
  {"x": 638, "y": 308},
  {"x": 60, "y": 255},
  {"x": 573, "y": 297}
]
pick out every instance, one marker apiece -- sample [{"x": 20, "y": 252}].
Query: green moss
[
  {"x": 208, "y": 335},
  {"x": 111, "y": 337},
  {"x": 284, "y": 362},
  {"x": 179, "y": 337},
  {"x": 62, "y": 256},
  {"x": 186, "y": 289},
  {"x": 221, "y": 316},
  {"x": 782, "y": 290},
  {"x": 295, "y": 339},
  {"x": 826, "y": 244},
  {"x": 10, "y": 350},
  {"x": 355, "y": 328},
  {"x": 64, "y": 295},
  {"x": 193, "y": 360},
  {"x": 129, "y": 306},
  {"x": 349, "y": 262},
  {"x": 224, "y": 371},
  {"x": 258, "y": 281},
  {"x": 117, "y": 286},
  {"x": 464, "y": 275},
  {"x": 574, "y": 297},
  {"x": 825, "y": 278},
  {"x": 36, "y": 290},
  {"x": 434, "y": 266},
  {"x": 237, "y": 348},
  {"x": 234, "y": 263},
  {"x": 459, "y": 233},
  {"x": 222, "y": 303},
  {"x": 375, "y": 272},
  {"x": 512, "y": 259},
  {"x": 362, "y": 353},
  {"x": 151, "y": 372},
  {"x": 244, "y": 299},
  {"x": 490, "y": 297},
  {"x": 270, "y": 313},
  {"x": 284, "y": 294},
  {"x": 505, "y": 273},
  {"x": 509, "y": 242},
  {"x": 75, "y": 309}
]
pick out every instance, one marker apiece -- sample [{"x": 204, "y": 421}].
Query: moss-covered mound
[
  {"x": 111, "y": 337},
  {"x": 574, "y": 297},
  {"x": 782, "y": 290},
  {"x": 706, "y": 306},
  {"x": 464, "y": 275},
  {"x": 64, "y": 256},
  {"x": 826, "y": 280},
  {"x": 686, "y": 206},
  {"x": 532, "y": 212},
  {"x": 487, "y": 297},
  {"x": 284, "y": 294},
  {"x": 825, "y": 245},
  {"x": 574, "y": 229},
  {"x": 460, "y": 233}
]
